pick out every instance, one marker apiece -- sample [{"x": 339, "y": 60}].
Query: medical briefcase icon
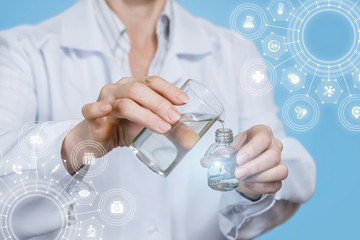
[{"x": 117, "y": 207}]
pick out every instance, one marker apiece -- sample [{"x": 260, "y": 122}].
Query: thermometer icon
[{"x": 281, "y": 8}]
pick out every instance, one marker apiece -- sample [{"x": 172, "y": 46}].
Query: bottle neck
[
  {"x": 222, "y": 144},
  {"x": 223, "y": 137}
]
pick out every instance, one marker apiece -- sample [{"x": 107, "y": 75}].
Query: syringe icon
[{"x": 55, "y": 169}]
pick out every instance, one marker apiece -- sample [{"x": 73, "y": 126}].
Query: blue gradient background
[{"x": 333, "y": 211}]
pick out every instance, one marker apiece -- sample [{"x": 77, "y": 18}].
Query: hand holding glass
[{"x": 162, "y": 153}]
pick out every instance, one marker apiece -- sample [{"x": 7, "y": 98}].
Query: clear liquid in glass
[{"x": 162, "y": 152}]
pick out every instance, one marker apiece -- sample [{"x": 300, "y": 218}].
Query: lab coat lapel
[
  {"x": 80, "y": 29},
  {"x": 185, "y": 43},
  {"x": 189, "y": 36},
  {"x": 172, "y": 69}
]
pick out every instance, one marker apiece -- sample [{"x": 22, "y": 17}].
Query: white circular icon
[
  {"x": 84, "y": 193},
  {"x": 300, "y": 113},
  {"x": 274, "y": 46},
  {"x": 349, "y": 113},
  {"x": 117, "y": 207}
]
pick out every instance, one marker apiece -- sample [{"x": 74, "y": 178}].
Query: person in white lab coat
[{"x": 90, "y": 72}]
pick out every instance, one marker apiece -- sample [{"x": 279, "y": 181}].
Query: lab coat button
[
  {"x": 238, "y": 209},
  {"x": 153, "y": 232},
  {"x": 152, "y": 228}
]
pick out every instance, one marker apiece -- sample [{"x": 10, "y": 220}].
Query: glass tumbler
[{"x": 162, "y": 152}]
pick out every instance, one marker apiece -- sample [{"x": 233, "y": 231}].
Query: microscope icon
[{"x": 91, "y": 232}]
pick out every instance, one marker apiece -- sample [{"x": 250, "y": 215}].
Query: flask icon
[{"x": 249, "y": 22}]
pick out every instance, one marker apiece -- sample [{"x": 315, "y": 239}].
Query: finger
[
  {"x": 265, "y": 161},
  {"x": 132, "y": 130},
  {"x": 240, "y": 140},
  {"x": 96, "y": 110},
  {"x": 258, "y": 142},
  {"x": 169, "y": 91},
  {"x": 110, "y": 92},
  {"x": 174, "y": 94},
  {"x": 274, "y": 174},
  {"x": 204, "y": 160},
  {"x": 130, "y": 110},
  {"x": 264, "y": 188},
  {"x": 146, "y": 97}
]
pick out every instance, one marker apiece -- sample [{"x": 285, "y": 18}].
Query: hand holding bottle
[{"x": 260, "y": 169}]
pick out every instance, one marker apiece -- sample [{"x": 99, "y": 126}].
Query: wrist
[{"x": 74, "y": 136}]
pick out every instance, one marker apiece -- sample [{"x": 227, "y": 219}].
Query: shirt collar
[
  {"x": 90, "y": 24},
  {"x": 109, "y": 24}
]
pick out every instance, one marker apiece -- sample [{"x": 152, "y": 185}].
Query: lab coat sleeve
[
  {"x": 240, "y": 218},
  {"x": 18, "y": 107}
]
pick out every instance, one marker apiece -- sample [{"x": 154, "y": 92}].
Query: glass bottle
[{"x": 222, "y": 162}]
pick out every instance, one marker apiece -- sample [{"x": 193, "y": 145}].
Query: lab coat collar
[
  {"x": 189, "y": 36},
  {"x": 81, "y": 31}
]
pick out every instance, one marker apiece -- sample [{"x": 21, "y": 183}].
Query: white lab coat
[{"x": 49, "y": 71}]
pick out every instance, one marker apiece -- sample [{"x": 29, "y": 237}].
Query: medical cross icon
[{"x": 258, "y": 76}]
